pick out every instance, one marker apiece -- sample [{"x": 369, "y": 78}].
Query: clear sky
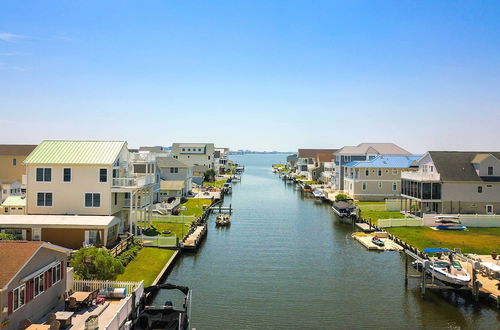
[{"x": 263, "y": 75}]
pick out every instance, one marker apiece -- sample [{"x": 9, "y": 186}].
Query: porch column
[
  {"x": 131, "y": 207},
  {"x": 150, "y": 207}
]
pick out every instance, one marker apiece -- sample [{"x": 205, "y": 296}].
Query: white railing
[
  {"x": 158, "y": 241},
  {"x": 143, "y": 157},
  {"x": 91, "y": 285},
  {"x": 406, "y": 222},
  {"x": 121, "y": 316},
  {"x": 137, "y": 181},
  {"x": 145, "y": 200},
  {"x": 420, "y": 176}
]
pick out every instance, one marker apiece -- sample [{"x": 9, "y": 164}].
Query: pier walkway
[{"x": 194, "y": 238}]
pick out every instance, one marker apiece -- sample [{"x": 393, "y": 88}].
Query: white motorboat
[
  {"x": 223, "y": 220},
  {"x": 448, "y": 272}
]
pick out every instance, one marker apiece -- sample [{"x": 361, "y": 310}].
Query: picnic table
[
  {"x": 38, "y": 327},
  {"x": 81, "y": 296},
  {"x": 64, "y": 318}
]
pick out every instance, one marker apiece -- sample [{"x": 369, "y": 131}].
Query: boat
[
  {"x": 451, "y": 227},
  {"x": 227, "y": 188},
  {"x": 445, "y": 269},
  {"x": 344, "y": 208},
  {"x": 223, "y": 220},
  {"x": 377, "y": 241},
  {"x": 447, "y": 219},
  {"x": 235, "y": 178},
  {"x": 163, "y": 317},
  {"x": 307, "y": 188}
]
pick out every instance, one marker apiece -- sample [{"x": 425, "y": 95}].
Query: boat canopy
[{"x": 434, "y": 250}]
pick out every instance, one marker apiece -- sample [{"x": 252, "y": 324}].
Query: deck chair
[
  {"x": 51, "y": 317},
  {"x": 54, "y": 325},
  {"x": 24, "y": 324},
  {"x": 72, "y": 304}
]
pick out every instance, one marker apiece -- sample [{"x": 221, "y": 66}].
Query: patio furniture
[
  {"x": 35, "y": 326},
  {"x": 72, "y": 304},
  {"x": 54, "y": 325},
  {"x": 24, "y": 324},
  {"x": 93, "y": 297},
  {"x": 64, "y": 318},
  {"x": 81, "y": 297}
]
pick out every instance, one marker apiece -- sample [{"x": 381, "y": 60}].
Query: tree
[
  {"x": 96, "y": 264},
  {"x": 210, "y": 175},
  {"x": 340, "y": 197},
  {"x": 7, "y": 237}
]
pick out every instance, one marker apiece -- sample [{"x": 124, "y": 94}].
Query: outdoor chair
[
  {"x": 51, "y": 317},
  {"x": 24, "y": 324},
  {"x": 72, "y": 304},
  {"x": 93, "y": 297},
  {"x": 54, "y": 324}
]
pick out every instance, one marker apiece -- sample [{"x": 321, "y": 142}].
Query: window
[
  {"x": 44, "y": 199},
  {"x": 174, "y": 170},
  {"x": 490, "y": 170},
  {"x": 367, "y": 172},
  {"x": 432, "y": 168},
  {"x": 6, "y": 210},
  {"x": 183, "y": 149},
  {"x": 14, "y": 162},
  {"x": 394, "y": 187},
  {"x": 91, "y": 237},
  {"x": 103, "y": 175},
  {"x": 56, "y": 274},
  {"x": 479, "y": 189},
  {"x": 39, "y": 284},
  {"x": 363, "y": 186},
  {"x": 116, "y": 198},
  {"x": 199, "y": 149},
  {"x": 19, "y": 295},
  {"x": 66, "y": 175},
  {"x": 489, "y": 209},
  {"x": 43, "y": 174},
  {"x": 379, "y": 172},
  {"x": 92, "y": 200},
  {"x": 394, "y": 172},
  {"x": 19, "y": 234},
  {"x": 176, "y": 157},
  {"x": 380, "y": 185}
]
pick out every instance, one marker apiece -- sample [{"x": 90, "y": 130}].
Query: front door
[{"x": 489, "y": 209}]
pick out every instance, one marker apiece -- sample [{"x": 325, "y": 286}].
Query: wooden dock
[
  {"x": 192, "y": 241},
  {"x": 364, "y": 227},
  {"x": 366, "y": 241}
]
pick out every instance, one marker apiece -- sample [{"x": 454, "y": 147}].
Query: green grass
[
  {"x": 374, "y": 211},
  {"x": 279, "y": 166},
  {"x": 194, "y": 206},
  {"x": 146, "y": 265},
  {"x": 178, "y": 229},
  {"x": 218, "y": 183},
  {"x": 473, "y": 240}
]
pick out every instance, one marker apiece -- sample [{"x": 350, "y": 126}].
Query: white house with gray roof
[
  {"x": 453, "y": 182},
  {"x": 194, "y": 153},
  {"x": 175, "y": 177}
]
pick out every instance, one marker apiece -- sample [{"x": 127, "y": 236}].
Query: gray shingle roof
[
  {"x": 457, "y": 165},
  {"x": 380, "y": 148},
  {"x": 169, "y": 162}
]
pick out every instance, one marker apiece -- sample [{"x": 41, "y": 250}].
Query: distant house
[
  {"x": 12, "y": 169},
  {"x": 363, "y": 151},
  {"x": 199, "y": 173},
  {"x": 307, "y": 162},
  {"x": 291, "y": 161},
  {"x": 13, "y": 205},
  {"x": 220, "y": 160},
  {"x": 451, "y": 182},
  {"x": 32, "y": 280},
  {"x": 378, "y": 178},
  {"x": 194, "y": 153},
  {"x": 176, "y": 177}
]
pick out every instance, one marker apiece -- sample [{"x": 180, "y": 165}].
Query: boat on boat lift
[{"x": 223, "y": 219}]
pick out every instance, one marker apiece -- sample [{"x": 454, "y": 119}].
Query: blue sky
[{"x": 264, "y": 75}]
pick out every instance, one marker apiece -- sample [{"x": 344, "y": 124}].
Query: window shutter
[
  {"x": 11, "y": 302},
  {"x": 31, "y": 292},
  {"x": 47, "y": 280},
  {"x": 27, "y": 296},
  {"x": 62, "y": 270}
]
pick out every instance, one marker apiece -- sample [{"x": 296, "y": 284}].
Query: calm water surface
[{"x": 287, "y": 263}]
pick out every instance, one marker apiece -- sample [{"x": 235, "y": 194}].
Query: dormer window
[{"x": 490, "y": 170}]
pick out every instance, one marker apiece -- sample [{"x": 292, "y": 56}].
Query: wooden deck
[
  {"x": 365, "y": 227},
  {"x": 195, "y": 237}
]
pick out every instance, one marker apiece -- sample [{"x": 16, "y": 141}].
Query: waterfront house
[
  {"x": 90, "y": 178},
  {"x": 220, "y": 160},
  {"x": 194, "y": 153},
  {"x": 176, "y": 178},
  {"x": 13, "y": 205},
  {"x": 199, "y": 173},
  {"x": 307, "y": 162},
  {"x": 363, "y": 151},
  {"x": 453, "y": 182},
  {"x": 32, "y": 280},
  {"x": 291, "y": 162},
  {"x": 378, "y": 178},
  {"x": 12, "y": 169}
]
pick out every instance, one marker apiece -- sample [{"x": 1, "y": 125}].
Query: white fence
[
  {"x": 158, "y": 241},
  {"x": 469, "y": 220},
  {"x": 121, "y": 315},
  {"x": 173, "y": 218},
  {"x": 406, "y": 222},
  {"x": 91, "y": 285}
]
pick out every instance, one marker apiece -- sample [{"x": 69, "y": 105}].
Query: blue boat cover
[{"x": 434, "y": 250}]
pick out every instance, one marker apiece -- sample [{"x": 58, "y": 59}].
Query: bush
[
  {"x": 129, "y": 255},
  {"x": 7, "y": 237},
  {"x": 340, "y": 197}
]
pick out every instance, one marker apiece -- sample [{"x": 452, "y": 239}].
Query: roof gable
[
  {"x": 13, "y": 256},
  {"x": 313, "y": 153},
  {"x": 379, "y": 148},
  {"x": 459, "y": 166},
  {"x": 76, "y": 152},
  {"x": 169, "y": 162}
]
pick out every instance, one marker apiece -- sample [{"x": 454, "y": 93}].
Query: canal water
[{"x": 287, "y": 263}]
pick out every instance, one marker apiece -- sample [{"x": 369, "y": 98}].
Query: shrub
[
  {"x": 96, "y": 264},
  {"x": 340, "y": 197},
  {"x": 7, "y": 237}
]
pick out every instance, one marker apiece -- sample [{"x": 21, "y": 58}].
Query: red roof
[
  {"x": 313, "y": 153},
  {"x": 13, "y": 256}
]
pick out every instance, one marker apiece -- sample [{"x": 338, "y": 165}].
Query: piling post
[
  {"x": 425, "y": 266},
  {"x": 406, "y": 269}
]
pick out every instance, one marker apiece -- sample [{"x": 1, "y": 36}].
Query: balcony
[
  {"x": 142, "y": 157},
  {"x": 133, "y": 182},
  {"x": 420, "y": 176}
]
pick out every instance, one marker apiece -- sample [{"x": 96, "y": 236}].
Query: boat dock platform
[
  {"x": 366, "y": 241},
  {"x": 366, "y": 228},
  {"x": 192, "y": 241},
  {"x": 221, "y": 208}
]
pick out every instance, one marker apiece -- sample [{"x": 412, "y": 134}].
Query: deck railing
[
  {"x": 138, "y": 181},
  {"x": 91, "y": 285},
  {"x": 121, "y": 246}
]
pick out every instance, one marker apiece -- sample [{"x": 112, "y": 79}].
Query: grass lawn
[
  {"x": 218, "y": 183},
  {"x": 194, "y": 206},
  {"x": 376, "y": 210},
  {"x": 179, "y": 229},
  {"x": 146, "y": 265},
  {"x": 280, "y": 166},
  {"x": 473, "y": 240}
]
